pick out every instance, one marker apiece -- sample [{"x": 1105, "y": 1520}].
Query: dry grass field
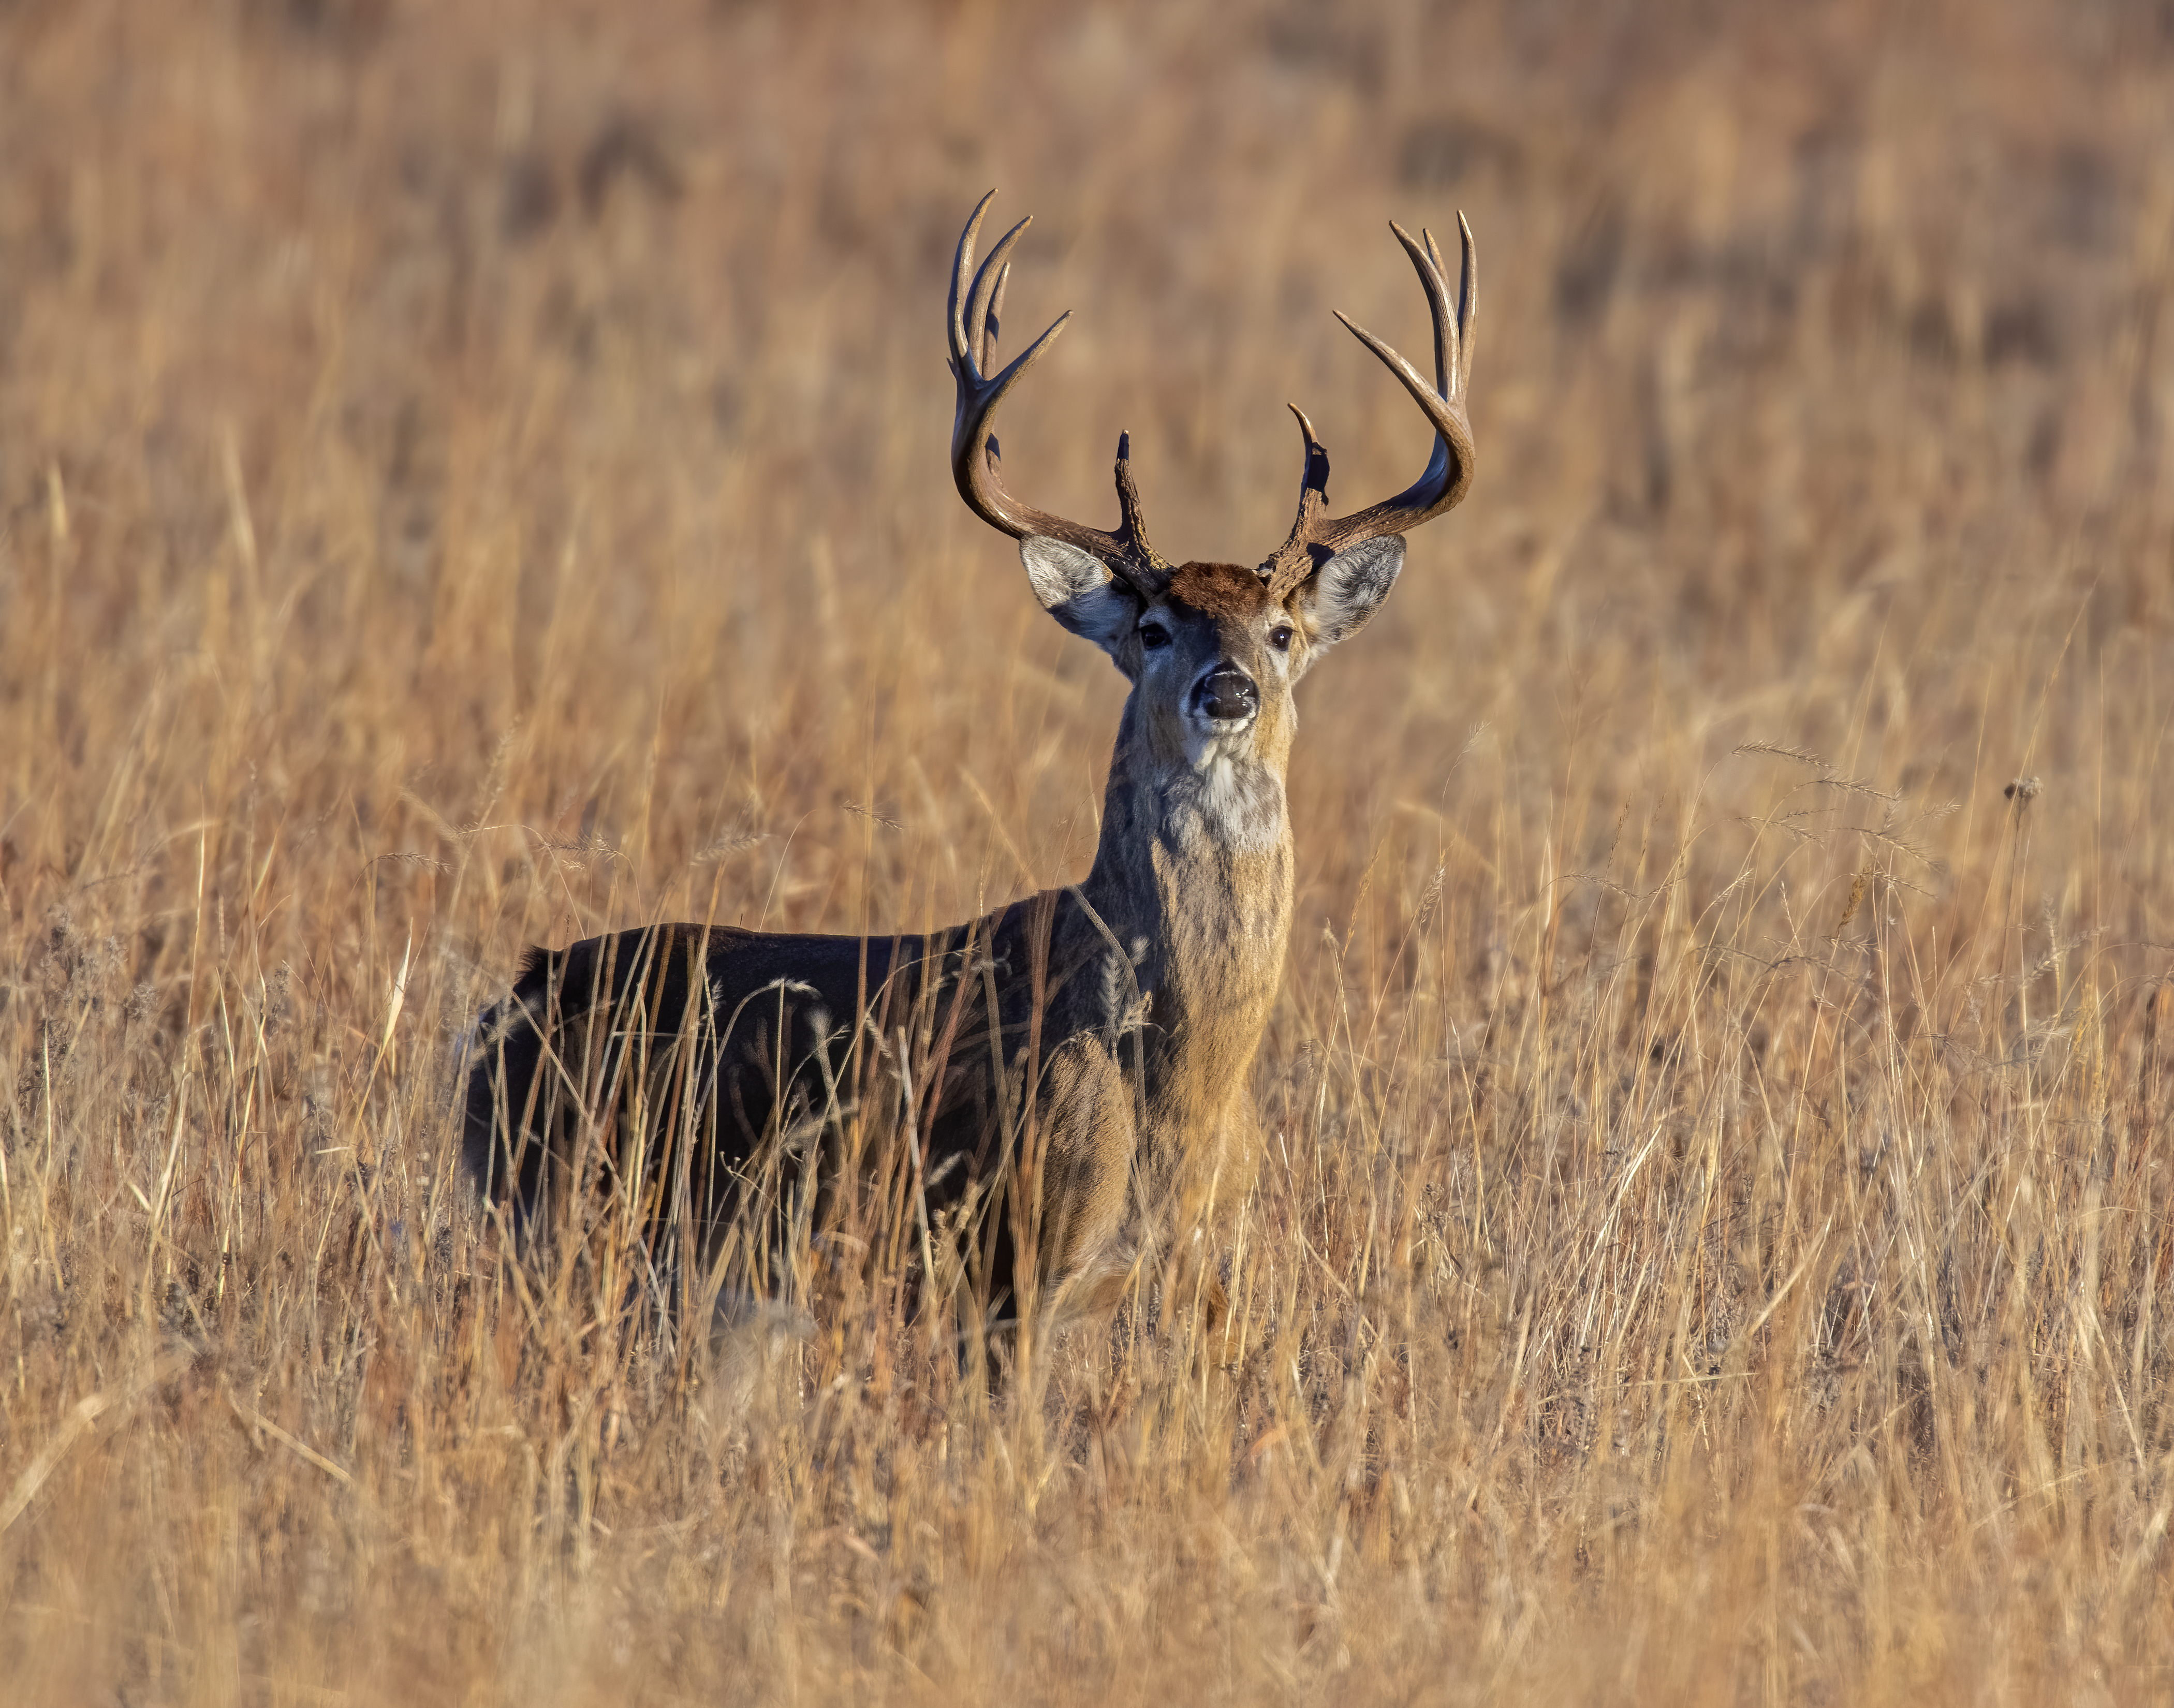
[{"x": 475, "y": 475}]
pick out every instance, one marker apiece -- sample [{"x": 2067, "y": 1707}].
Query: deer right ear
[{"x": 1075, "y": 588}]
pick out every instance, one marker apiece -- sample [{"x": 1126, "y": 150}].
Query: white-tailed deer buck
[{"x": 1066, "y": 1078}]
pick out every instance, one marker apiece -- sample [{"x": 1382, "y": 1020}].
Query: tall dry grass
[{"x": 475, "y": 476}]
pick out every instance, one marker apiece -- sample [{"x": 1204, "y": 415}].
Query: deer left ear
[{"x": 1336, "y": 600}]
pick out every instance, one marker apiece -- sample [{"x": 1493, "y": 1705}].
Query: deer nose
[{"x": 1226, "y": 693}]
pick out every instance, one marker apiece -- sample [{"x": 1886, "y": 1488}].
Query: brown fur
[
  {"x": 1070, "y": 1074},
  {"x": 1217, "y": 589},
  {"x": 1141, "y": 1119}
]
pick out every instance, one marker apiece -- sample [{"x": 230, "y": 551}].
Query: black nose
[{"x": 1226, "y": 693}]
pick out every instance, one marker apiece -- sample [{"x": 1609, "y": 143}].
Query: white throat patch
[{"x": 1233, "y": 801}]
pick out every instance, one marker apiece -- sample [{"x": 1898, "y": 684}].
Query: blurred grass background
[{"x": 475, "y": 475}]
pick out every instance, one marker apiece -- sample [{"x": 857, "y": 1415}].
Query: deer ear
[
  {"x": 1079, "y": 591},
  {"x": 1336, "y": 600}
]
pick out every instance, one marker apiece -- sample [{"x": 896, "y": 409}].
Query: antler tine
[
  {"x": 1467, "y": 302},
  {"x": 991, "y": 320},
  {"x": 1427, "y": 262},
  {"x": 982, "y": 301},
  {"x": 976, "y": 460},
  {"x": 1128, "y": 493},
  {"x": 972, "y": 308},
  {"x": 1448, "y": 472},
  {"x": 961, "y": 260},
  {"x": 1437, "y": 408},
  {"x": 1467, "y": 294},
  {"x": 1294, "y": 561}
]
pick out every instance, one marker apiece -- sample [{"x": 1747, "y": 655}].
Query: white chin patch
[{"x": 1211, "y": 742}]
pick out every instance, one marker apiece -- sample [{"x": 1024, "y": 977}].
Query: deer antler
[
  {"x": 976, "y": 463},
  {"x": 1316, "y": 537}
]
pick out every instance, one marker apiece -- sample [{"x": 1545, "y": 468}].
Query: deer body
[{"x": 1072, "y": 1068}]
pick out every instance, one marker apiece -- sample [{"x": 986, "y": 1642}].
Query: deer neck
[{"x": 1192, "y": 875}]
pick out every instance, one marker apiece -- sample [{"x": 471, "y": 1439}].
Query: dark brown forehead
[{"x": 1219, "y": 589}]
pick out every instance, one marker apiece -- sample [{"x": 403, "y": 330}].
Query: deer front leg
[
  {"x": 1085, "y": 1113},
  {"x": 1198, "y": 1198}
]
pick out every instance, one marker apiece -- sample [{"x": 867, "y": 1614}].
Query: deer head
[{"x": 1213, "y": 650}]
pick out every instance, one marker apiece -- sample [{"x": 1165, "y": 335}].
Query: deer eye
[
  {"x": 1154, "y": 635},
  {"x": 1279, "y": 637}
]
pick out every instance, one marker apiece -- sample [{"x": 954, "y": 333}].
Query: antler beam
[
  {"x": 977, "y": 298},
  {"x": 1316, "y": 537}
]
